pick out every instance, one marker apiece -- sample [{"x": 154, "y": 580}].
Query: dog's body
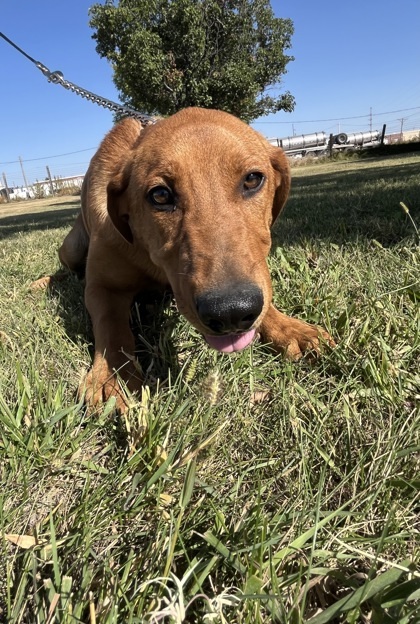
[{"x": 186, "y": 203}]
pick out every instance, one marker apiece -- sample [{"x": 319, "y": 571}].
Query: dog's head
[{"x": 199, "y": 193}]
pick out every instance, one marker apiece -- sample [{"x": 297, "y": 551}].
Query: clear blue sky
[{"x": 350, "y": 58}]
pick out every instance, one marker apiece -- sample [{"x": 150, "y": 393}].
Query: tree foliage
[{"x": 169, "y": 54}]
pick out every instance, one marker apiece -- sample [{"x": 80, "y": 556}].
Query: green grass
[{"x": 241, "y": 489}]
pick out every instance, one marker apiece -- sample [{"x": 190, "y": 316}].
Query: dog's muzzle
[{"x": 230, "y": 315}]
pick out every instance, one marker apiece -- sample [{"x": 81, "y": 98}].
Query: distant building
[
  {"x": 404, "y": 137},
  {"x": 42, "y": 188},
  {"x": 70, "y": 181},
  {"x": 19, "y": 192}
]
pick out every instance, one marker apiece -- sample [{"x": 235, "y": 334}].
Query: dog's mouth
[{"x": 229, "y": 343}]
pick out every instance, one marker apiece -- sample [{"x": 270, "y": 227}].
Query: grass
[{"x": 241, "y": 489}]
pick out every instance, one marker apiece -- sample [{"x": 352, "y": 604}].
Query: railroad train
[{"x": 319, "y": 143}]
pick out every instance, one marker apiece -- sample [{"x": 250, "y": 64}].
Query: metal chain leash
[{"x": 57, "y": 77}]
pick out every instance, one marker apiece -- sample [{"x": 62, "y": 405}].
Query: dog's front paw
[
  {"x": 302, "y": 339},
  {"x": 292, "y": 337},
  {"x": 101, "y": 383}
]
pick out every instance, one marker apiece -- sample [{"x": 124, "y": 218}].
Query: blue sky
[{"x": 351, "y": 59}]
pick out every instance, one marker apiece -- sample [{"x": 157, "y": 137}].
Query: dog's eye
[
  {"x": 162, "y": 198},
  {"x": 253, "y": 181}
]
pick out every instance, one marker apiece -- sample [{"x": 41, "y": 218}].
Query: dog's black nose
[{"x": 232, "y": 309}]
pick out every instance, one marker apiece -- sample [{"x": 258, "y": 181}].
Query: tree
[{"x": 169, "y": 54}]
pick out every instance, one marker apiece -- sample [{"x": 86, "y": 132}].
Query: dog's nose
[{"x": 232, "y": 309}]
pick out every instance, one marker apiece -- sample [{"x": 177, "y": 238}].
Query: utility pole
[
  {"x": 330, "y": 144},
  {"x": 50, "y": 181},
  {"x": 23, "y": 173},
  {"x": 401, "y": 129},
  {"x": 6, "y": 186},
  {"x": 370, "y": 119}
]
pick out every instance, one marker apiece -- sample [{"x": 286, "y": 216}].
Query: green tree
[{"x": 169, "y": 54}]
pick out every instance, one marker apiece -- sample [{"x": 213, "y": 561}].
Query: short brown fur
[{"x": 216, "y": 236}]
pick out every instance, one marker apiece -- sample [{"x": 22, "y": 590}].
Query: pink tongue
[{"x": 230, "y": 342}]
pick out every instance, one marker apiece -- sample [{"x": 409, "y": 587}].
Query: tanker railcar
[{"x": 319, "y": 143}]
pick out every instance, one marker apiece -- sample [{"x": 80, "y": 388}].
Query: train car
[{"x": 319, "y": 143}]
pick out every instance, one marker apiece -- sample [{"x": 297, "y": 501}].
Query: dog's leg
[
  {"x": 292, "y": 336},
  {"x": 72, "y": 254},
  {"x": 114, "y": 346},
  {"x": 73, "y": 251}
]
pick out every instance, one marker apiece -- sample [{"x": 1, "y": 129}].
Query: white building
[{"x": 43, "y": 188}]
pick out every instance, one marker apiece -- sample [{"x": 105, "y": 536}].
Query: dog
[{"x": 186, "y": 203}]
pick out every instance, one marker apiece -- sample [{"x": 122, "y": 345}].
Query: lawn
[{"x": 238, "y": 489}]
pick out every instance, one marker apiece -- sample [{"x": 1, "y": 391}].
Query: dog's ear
[
  {"x": 281, "y": 167},
  {"x": 117, "y": 202}
]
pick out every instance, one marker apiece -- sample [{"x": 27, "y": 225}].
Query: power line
[
  {"x": 369, "y": 115},
  {"x": 401, "y": 110},
  {"x": 12, "y": 162}
]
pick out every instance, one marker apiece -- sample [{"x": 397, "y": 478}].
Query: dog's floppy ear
[
  {"x": 281, "y": 167},
  {"x": 117, "y": 203}
]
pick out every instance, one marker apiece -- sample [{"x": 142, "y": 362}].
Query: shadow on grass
[
  {"x": 150, "y": 321},
  {"x": 28, "y": 222},
  {"x": 349, "y": 205},
  {"x": 338, "y": 206},
  {"x": 152, "y": 324},
  {"x": 70, "y": 202}
]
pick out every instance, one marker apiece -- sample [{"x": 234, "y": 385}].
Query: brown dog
[{"x": 186, "y": 203}]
